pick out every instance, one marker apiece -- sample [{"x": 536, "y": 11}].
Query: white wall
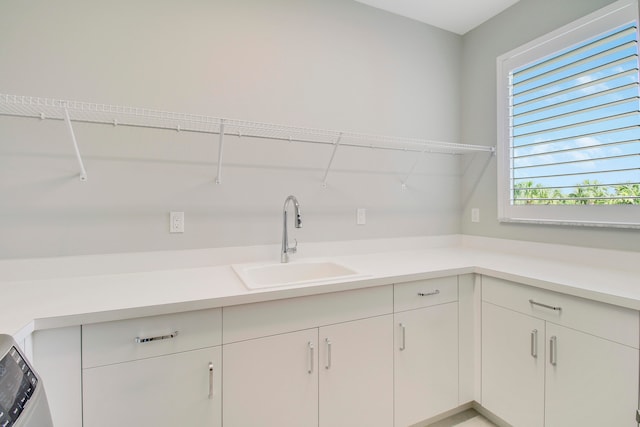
[
  {"x": 523, "y": 22},
  {"x": 332, "y": 64}
]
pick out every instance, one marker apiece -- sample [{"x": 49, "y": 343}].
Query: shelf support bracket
[
  {"x": 333, "y": 155},
  {"x": 67, "y": 120},
  {"x": 220, "y": 149},
  {"x": 413, "y": 168}
]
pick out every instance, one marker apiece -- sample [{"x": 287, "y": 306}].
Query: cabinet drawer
[
  {"x": 607, "y": 321},
  {"x": 133, "y": 339},
  {"x": 248, "y": 321},
  {"x": 424, "y": 293}
]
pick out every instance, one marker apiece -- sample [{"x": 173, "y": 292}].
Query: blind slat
[
  {"x": 571, "y": 162},
  {"x": 580, "y": 173},
  {"x": 579, "y": 136},
  {"x": 553, "y": 75},
  {"x": 568, "y": 115},
  {"x": 584, "y": 98},
  {"x": 574, "y": 198},
  {"x": 589, "y": 46},
  {"x": 561, "y": 187},
  {"x": 594, "y": 83},
  {"x": 595, "y": 69},
  {"x": 580, "y": 148},
  {"x": 579, "y": 124}
]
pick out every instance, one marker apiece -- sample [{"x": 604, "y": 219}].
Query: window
[{"x": 569, "y": 124}]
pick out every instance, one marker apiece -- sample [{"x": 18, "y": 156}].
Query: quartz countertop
[{"x": 59, "y": 292}]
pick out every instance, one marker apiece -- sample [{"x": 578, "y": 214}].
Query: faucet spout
[{"x": 286, "y": 249}]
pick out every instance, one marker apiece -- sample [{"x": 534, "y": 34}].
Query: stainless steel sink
[{"x": 258, "y": 276}]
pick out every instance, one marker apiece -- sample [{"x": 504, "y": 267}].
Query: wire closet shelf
[{"x": 85, "y": 112}]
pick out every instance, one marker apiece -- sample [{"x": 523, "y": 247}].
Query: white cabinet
[
  {"x": 156, "y": 371},
  {"x": 272, "y": 381},
  {"x": 553, "y": 360},
  {"x": 337, "y": 373},
  {"x": 513, "y": 359},
  {"x": 356, "y": 373},
  {"x": 426, "y": 349},
  {"x": 383, "y": 356},
  {"x": 591, "y": 382}
]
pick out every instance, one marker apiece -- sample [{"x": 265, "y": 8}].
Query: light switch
[
  {"x": 475, "y": 215},
  {"x": 361, "y": 216},
  {"x": 176, "y": 222}
]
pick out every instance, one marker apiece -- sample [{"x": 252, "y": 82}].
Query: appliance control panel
[{"x": 18, "y": 383}]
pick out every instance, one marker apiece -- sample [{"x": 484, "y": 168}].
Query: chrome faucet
[{"x": 286, "y": 250}]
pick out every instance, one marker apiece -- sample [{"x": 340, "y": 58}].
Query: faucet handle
[{"x": 294, "y": 248}]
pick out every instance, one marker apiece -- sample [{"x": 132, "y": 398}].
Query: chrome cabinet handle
[
  {"x": 428, "y": 294},
  {"x": 210, "y": 380},
  {"x": 328, "y": 364},
  {"x": 139, "y": 340},
  {"x": 551, "y": 307},
  {"x": 553, "y": 350},
  {"x": 403, "y": 337},
  {"x": 310, "y": 370},
  {"x": 534, "y": 343}
]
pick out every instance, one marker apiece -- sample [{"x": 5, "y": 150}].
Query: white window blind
[
  {"x": 569, "y": 124},
  {"x": 575, "y": 124}
]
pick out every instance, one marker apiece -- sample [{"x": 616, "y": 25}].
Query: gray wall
[
  {"x": 519, "y": 24},
  {"x": 319, "y": 63},
  {"x": 331, "y": 64}
]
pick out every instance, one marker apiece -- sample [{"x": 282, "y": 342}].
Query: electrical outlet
[
  {"x": 176, "y": 222},
  {"x": 475, "y": 215},
  {"x": 361, "y": 216}
]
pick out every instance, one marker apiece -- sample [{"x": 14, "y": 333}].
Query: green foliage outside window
[{"x": 586, "y": 193}]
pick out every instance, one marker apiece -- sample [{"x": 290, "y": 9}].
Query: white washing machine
[{"x": 23, "y": 402}]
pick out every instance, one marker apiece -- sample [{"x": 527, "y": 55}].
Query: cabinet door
[
  {"x": 164, "y": 391},
  {"x": 591, "y": 382},
  {"x": 356, "y": 373},
  {"x": 426, "y": 363},
  {"x": 513, "y": 363},
  {"x": 272, "y": 381}
]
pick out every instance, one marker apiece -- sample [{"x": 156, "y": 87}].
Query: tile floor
[
  {"x": 478, "y": 421},
  {"x": 468, "y": 418}
]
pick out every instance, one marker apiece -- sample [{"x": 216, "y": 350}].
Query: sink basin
[{"x": 257, "y": 276}]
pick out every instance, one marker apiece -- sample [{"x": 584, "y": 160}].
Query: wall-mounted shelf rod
[
  {"x": 333, "y": 155},
  {"x": 220, "y": 148},
  {"x": 413, "y": 168},
  {"x": 67, "y": 119},
  {"x": 84, "y": 112}
]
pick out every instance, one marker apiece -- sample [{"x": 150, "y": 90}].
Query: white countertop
[{"x": 58, "y": 292}]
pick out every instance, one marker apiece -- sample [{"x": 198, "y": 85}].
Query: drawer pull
[
  {"x": 210, "y": 380},
  {"x": 158, "y": 338},
  {"x": 403, "y": 337},
  {"x": 328, "y": 364},
  {"x": 553, "y": 350},
  {"x": 534, "y": 343},
  {"x": 310, "y": 370},
  {"x": 550, "y": 307},
  {"x": 428, "y": 294}
]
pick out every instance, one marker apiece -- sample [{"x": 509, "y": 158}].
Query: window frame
[{"x": 614, "y": 15}]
